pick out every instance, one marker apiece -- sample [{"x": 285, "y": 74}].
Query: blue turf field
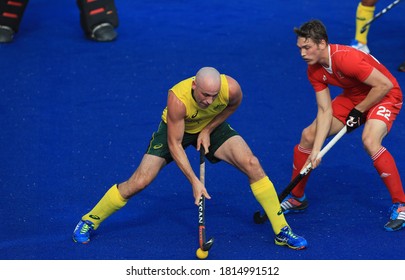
[{"x": 76, "y": 117}]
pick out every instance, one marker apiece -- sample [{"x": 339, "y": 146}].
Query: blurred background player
[
  {"x": 365, "y": 12},
  {"x": 98, "y": 19},
  {"x": 401, "y": 67}
]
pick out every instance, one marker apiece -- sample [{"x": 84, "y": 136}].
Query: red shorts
[{"x": 385, "y": 110}]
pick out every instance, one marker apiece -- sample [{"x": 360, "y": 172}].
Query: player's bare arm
[
  {"x": 323, "y": 124},
  {"x": 380, "y": 86},
  {"x": 176, "y": 112}
]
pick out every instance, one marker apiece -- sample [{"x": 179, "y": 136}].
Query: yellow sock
[
  {"x": 363, "y": 15},
  {"x": 266, "y": 195},
  {"x": 111, "y": 202}
]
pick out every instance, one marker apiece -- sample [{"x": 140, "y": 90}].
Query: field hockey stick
[
  {"x": 383, "y": 11},
  {"x": 204, "y": 245},
  {"x": 260, "y": 219}
]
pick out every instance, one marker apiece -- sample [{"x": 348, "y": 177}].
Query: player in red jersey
[{"x": 371, "y": 96}]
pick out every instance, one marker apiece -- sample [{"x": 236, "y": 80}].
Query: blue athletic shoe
[
  {"x": 397, "y": 218},
  {"x": 357, "y": 45},
  {"x": 82, "y": 231},
  {"x": 287, "y": 238},
  {"x": 294, "y": 204}
]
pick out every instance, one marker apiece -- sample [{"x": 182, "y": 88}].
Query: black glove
[{"x": 354, "y": 119}]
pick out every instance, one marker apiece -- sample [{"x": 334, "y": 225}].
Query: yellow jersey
[{"x": 196, "y": 118}]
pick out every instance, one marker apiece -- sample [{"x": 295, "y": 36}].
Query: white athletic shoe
[{"x": 357, "y": 45}]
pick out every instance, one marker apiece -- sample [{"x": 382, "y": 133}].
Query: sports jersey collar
[
  {"x": 192, "y": 95},
  {"x": 329, "y": 69}
]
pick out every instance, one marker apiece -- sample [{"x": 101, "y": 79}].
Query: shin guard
[
  {"x": 96, "y": 12},
  {"x": 11, "y": 13}
]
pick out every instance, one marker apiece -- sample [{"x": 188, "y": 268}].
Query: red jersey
[{"x": 348, "y": 69}]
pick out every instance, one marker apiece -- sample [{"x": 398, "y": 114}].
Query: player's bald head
[{"x": 209, "y": 79}]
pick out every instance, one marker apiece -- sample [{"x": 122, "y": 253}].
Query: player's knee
[
  {"x": 307, "y": 137},
  {"x": 253, "y": 166},
  {"x": 370, "y": 143}
]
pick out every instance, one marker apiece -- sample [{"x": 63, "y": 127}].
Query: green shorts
[{"x": 158, "y": 144}]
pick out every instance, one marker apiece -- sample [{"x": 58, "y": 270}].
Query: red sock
[
  {"x": 385, "y": 165},
  {"x": 300, "y": 157}
]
